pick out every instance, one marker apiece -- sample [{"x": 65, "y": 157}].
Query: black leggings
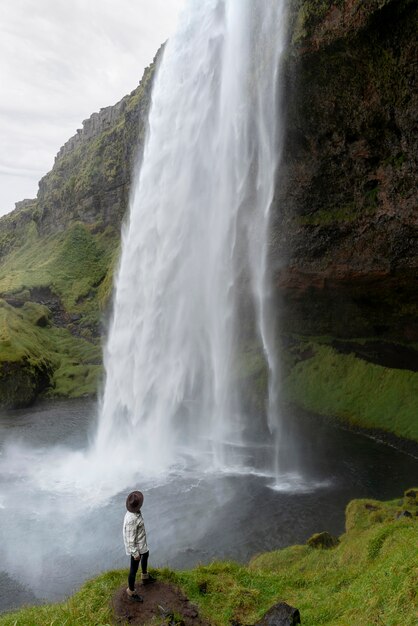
[{"x": 134, "y": 568}]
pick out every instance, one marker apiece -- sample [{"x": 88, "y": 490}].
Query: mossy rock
[
  {"x": 411, "y": 497},
  {"x": 21, "y": 382},
  {"x": 363, "y": 514},
  {"x": 322, "y": 541}
]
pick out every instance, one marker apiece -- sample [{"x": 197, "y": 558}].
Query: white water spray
[{"x": 198, "y": 229}]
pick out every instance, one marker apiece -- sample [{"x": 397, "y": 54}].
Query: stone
[
  {"x": 281, "y": 614},
  {"x": 323, "y": 540},
  {"x": 203, "y": 588},
  {"x": 402, "y": 514},
  {"x": 411, "y": 497}
]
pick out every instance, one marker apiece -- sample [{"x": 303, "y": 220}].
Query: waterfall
[{"x": 195, "y": 247}]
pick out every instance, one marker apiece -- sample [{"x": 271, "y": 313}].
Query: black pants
[{"x": 134, "y": 568}]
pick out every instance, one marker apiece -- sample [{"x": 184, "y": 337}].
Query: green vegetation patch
[
  {"x": 347, "y": 213},
  {"x": 354, "y": 391},
  {"x": 369, "y": 578},
  {"x": 72, "y": 264},
  {"x": 35, "y": 356},
  {"x": 90, "y": 606}
]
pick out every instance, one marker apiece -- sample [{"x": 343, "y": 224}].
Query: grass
[
  {"x": 370, "y": 578},
  {"x": 355, "y": 391},
  {"x": 76, "y": 267},
  {"x": 75, "y": 362},
  {"x": 73, "y": 264},
  {"x": 89, "y": 606}
]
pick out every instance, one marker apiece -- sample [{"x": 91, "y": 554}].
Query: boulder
[
  {"x": 411, "y": 497},
  {"x": 281, "y": 614},
  {"x": 323, "y": 540},
  {"x": 402, "y": 514}
]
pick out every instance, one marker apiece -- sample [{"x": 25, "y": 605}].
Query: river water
[{"x": 51, "y": 542}]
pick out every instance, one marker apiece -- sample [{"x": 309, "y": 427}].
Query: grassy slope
[
  {"x": 76, "y": 266},
  {"x": 370, "y": 578},
  {"x": 354, "y": 391},
  {"x": 72, "y": 263},
  {"x": 75, "y": 362}
]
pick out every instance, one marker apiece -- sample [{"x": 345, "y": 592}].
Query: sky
[{"x": 60, "y": 61}]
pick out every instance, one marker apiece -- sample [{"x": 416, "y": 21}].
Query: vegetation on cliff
[
  {"x": 324, "y": 381},
  {"x": 368, "y": 578},
  {"x": 58, "y": 254},
  {"x": 37, "y": 357}
]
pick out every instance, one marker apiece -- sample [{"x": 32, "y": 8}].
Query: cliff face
[{"x": 346, "y": 234}]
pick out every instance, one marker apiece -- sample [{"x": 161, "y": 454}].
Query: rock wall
[
  {"x": 345, "y": 237},
  {"x": 91, "y": 177}
]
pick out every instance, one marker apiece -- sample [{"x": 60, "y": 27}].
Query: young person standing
[{"x": 135, "y": 541}]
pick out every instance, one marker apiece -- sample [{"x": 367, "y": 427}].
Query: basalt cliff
[{"x": 344, "y": 236}]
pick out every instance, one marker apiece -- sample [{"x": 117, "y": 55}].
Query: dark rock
[
  {"x": 281, "y": 614},
  {"x": 203, "y": 588},
  {"x": 22, "y": 381},
  {"x": 42, "y": 321},
  {"x": 411, "y": 497},
  {"x": 323, "y": 540},
  {"x": 371, "y": 507},
  {"x": 403, "y": 514}
]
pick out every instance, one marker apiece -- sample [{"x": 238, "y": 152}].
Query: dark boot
[
  {"x": 133, "y": 595},
  {"x": 147, "y": 579}
]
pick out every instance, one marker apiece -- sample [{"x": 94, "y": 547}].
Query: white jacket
[{"x": 134, "y": 536}]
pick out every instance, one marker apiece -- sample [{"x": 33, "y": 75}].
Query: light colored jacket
[{"x": 134, "y": 536}]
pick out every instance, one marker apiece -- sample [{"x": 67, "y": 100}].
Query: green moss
[
  {"x": 310, "y": 13},
  {"x": 72, "y": 264},
  {"x": 365, "y": 514},
  {"x": 322, "y": 541},
  {"x": 348, "y": 213},
  {"x": 355, "y": 391},
  {"x": 251, "y": 375},
  {"x": 35, "y": 357},
  {"x": 77, "y": 365}
]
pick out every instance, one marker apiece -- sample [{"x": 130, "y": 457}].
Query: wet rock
[
  {"x": 323, "y": 540},
  {"x": 281, "y": 614},
  {"x": 22, "y": 381}
]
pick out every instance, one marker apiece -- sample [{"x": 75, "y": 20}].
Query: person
[{"x": 135, "y": 541}]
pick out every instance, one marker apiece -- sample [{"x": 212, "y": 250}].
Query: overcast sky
[{"x": 61, "y": 60}]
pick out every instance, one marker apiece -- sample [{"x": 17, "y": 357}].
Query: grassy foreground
[{"x": 370, "y": 578}]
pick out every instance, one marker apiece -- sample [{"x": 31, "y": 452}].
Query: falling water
[{"x": 196, "y": 244}]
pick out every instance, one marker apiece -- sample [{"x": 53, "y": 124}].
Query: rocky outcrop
[
  {"x": 346, "y": 222},
  {"x": 323, "y": 541},
  {"x": 21, "y": 382},
  {"x": 91, "y": 177}
]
